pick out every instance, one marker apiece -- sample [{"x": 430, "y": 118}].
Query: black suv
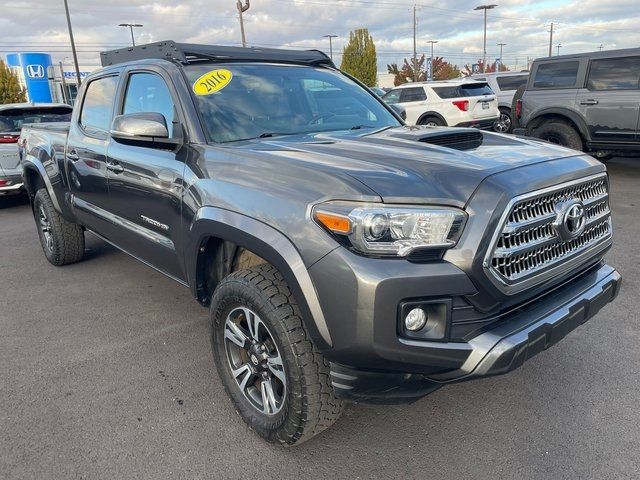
[{"x": 588, "y": 102}]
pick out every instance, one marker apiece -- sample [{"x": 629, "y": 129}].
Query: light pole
[
  {"x": 330, "y": 37},
  {"x": 241, "y": 9},
  {"x": 73, "y": 43},
  {"x": 131, "y": 25},
  {"x": 601, "y": 47},
  {"x": 432, "y": 42},
  {"x": 484, "y": 43},
  {"x": 501, "y": 45},
  {"x": 558, "y": 46}
]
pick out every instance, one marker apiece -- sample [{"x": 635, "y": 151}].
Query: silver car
[{"x": 12, "y": 117}]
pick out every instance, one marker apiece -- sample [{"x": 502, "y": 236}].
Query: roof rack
[{"x": 186, "y": 53}]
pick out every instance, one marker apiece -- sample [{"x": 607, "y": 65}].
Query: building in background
[{"x": 44, "y": 80}]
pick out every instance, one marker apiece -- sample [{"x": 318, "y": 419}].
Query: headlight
[{"x": 391, "y": 230}]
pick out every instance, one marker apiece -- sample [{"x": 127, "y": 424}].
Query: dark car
[
  {"x": 12, "y": 118},
  {"x": 588, "y": 101},
  {"x": 342, "y": 255}
]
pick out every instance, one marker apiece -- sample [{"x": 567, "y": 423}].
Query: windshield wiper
[
  {"x": 275, "y": 134},
  {"x": 358, "y": 127}
]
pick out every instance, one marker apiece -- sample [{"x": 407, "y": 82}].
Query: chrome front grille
[{"x": 529, "y": 243}]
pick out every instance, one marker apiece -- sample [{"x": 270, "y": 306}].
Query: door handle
[
  {"x": 73, "y": 156},
  {"x": 115, "y": 167},
  {"x": 590, "y": 101}
]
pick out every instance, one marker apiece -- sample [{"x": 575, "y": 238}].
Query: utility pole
[
  {"x": 241, "y": 10},
  {"x": 558, "y": 47},
  {"x": 431, "y": 59},
  {"x": 415, "y": 53},
  {"x": 73, "y": 43},
  {"x": 484, "y": 42},
  {"x": 501, "y": 45},
  {"x": 550, "y": 38},
  {"x": 131, "y": 25},
  {"x": 330, "y": 37}
]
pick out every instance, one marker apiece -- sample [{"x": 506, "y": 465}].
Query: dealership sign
[
  {"x": 35, "y": 71},
  {"x": 72, "y": 74}
]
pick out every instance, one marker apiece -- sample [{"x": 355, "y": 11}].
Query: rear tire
[
  {"x": 62, "y": 241},
  {"x": 275, "y": 356},
  {"x": 505, "y": 123},
  {"x": 560, "y": 133},
  {"x": 431, "y": 122}
]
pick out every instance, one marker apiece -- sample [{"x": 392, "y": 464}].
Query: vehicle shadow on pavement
[{"x": 11, "y": 201}]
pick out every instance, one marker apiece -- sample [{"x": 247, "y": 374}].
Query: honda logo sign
[{"x": 35, "y": 71}]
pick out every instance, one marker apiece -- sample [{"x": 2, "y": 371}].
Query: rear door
[
  {"x": 86, "y": 153},
  {"x": 610, "y": 99},
  {"x": 145, "y": 184}
]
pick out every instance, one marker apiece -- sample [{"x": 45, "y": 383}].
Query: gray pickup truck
[{"x": 342, "y": 255}]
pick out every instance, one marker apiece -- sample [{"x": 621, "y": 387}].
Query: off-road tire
[
  {"x": 67, "y": 238},
  {"x": 310, "y": 405},
  {"x": 560, "y": 133},
  {"x": 431, "y": 119},
  {"x": 515, "y": 121}
]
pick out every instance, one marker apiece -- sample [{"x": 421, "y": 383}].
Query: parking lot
[{"x": 106, "y": 372}]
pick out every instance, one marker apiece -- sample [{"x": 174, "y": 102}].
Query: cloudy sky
[{"x": 582, "y": 25}]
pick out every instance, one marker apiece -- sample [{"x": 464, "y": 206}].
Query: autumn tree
[
  {"x": 10, "y": 89},
  {"x": 359, "y": 57},
  {"x": 442, "y": 70},
  {"x": 491, "y": 68}
]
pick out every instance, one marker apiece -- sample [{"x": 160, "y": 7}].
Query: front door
[
  {"x": 145, "y": 184},
  {"x": 610, "y": 101}
]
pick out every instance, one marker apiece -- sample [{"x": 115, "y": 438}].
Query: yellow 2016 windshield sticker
[{"x": 212, "y": 82}]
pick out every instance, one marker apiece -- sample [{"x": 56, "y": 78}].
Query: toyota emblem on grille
[{"x": 570, "y": 219}]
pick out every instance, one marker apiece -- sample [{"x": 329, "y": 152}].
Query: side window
[
  {"x": 97, "y": 106},
  {"x": 147, "y": 92},
  {"x": 413, "y": 94},
  {"x": 393, "y": 96},
  {"x": 614, "y": 74},
  {"x": 511, "y": 82},
  {"x": 556, "y": 75}
]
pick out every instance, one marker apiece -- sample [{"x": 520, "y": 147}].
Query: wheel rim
[
  {"x": 431, "y": 123},
  {"x": 45, "y": 228},
  {"x": 255, "y": 362},
  {"x": 504, "y": 124}
]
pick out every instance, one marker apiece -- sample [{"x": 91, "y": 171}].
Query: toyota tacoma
[{"x": 343, "y": 256}]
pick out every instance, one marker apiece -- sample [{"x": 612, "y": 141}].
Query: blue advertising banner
[{"x": 34, "y": 68}]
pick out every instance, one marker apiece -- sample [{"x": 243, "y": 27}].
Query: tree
[
  {"x": 359, "y": 57},
  {"x": 491, "y": 68},
  {"x": 10, "y": 89},
  {"x": 442, "y": 70}
]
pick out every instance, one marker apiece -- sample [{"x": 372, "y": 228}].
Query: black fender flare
[
  {"x": 268, "y": 243},
  {"x": 571, "y": 115},
  {"x": 432, "y": 114},
  {"x": 34, "y": 164}
]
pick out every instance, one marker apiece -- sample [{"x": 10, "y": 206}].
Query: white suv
[
  {"x": 504, "y": 85},
  {"x": 454, "y": 103}
]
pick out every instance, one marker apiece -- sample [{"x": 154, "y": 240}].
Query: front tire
[
  {"x": 277, "y": 380},
  {"x": 62, "y": 241}
]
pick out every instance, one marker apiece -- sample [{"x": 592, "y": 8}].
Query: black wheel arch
[
  {"x": 568, "y": 116},
  {"x": 432, "y": 114},
  {"x": 216, "y": 236}
]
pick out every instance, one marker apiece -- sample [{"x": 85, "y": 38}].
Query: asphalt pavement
[{"x": 106, "y": 373}]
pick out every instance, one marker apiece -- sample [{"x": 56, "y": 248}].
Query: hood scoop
[{"x": 457, "y": 139}]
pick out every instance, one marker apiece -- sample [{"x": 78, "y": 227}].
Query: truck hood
[{"x": 413, "y": 164}]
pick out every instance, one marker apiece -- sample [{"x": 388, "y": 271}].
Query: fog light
[{"x": 415, "y": 319}]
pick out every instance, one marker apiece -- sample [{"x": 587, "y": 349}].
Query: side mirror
[
  {"x": 399, "y": 109},
  {"x": 144, "y": 129}
]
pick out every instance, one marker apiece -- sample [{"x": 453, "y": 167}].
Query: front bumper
[{"x": 513, "y": 340}]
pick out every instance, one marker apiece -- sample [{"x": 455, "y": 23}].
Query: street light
[
  {"x": 484, "y": 43},
  {"x": 431, "y": 60},
  {"x": 601, "y": 47},
  {"x": 131, "y": 25},
  {"x": 330, "y": 37},
  {"x": 558, "y": 46}
]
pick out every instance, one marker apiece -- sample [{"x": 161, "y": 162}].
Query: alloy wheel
[
  {"x": 503, "y": 124},
  {"x": 255, "y": 362},
  {"x": 45, "y": 228}
]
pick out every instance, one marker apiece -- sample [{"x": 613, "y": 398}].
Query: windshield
[
  {"x": 245, "y": 101},
  {"x": 12, "y": 120}
]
